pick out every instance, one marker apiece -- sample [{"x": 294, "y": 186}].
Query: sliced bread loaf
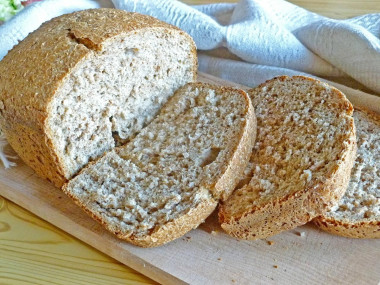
[
  {"x": 170, "y": 177},
  {"x": 357, "y": 214},
  {"x": 301, "y": 161},
  {"x": 87, "y": 81}
]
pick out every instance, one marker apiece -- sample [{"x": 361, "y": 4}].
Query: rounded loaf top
[
  {"x": 86, "y": 82},
  {"x": 34, "y": 69}
]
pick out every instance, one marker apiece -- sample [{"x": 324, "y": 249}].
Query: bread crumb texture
[
  {"x": 301, "y": 160},
  {"x": 358, "y": 213},
  {"x": 86, "y": 82},
  {"x": 164, "y": 181}
]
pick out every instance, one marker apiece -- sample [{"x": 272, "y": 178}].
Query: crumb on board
[
  {"x": 219, "y": 258},
  {"x": 275, "y": 266},
  {"x": 214, "y": 233},
  {"x": 233, "y": 280},
  {"x": 270, "y": 242},
  {"x": 301, "y": 234}
]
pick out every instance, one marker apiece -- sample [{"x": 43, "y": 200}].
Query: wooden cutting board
[{"x": 207, "y": 255}]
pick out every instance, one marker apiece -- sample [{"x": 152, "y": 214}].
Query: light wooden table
[{"x": 33, "y": 251}]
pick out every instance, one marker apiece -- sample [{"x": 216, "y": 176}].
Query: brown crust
[
  {"x": 297, "y": 208},
  {"x": 178, "y": 227},
  {"x": 225, "y": 182},
  {"x": 364, "y": 229},
  {"x": 36, "y": 153},
  {"x": 290, "y": 211},
  {"x": 238, "y": 155},
  {"x": 32, "y": 72},
  {"x": 239, "y": 160},
  {"x": 160, "y": 235},
  {"x": 347, "y": 228}
]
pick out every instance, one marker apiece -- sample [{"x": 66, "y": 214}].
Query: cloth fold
[
  {"x": 250, "y": 41},
  {"x": 254, "y": 74},
  {"x": 278, "y": 33}
]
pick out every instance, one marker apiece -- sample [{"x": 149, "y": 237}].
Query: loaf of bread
[
  {"x": 301, "y": 162},
  {"x": 86, "y": 82},
  {"x": 357, "y": 214},
  {"x": 171, "y": 176}
]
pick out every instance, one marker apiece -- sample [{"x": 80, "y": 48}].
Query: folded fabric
[
  {"x": 250, "y": 41},
  {"x": 278, "y": 33},
  {"x": 254, "y": 74}
]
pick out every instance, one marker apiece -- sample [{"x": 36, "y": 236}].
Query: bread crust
[
  {"x": 221, "y": 187},
  {"x": 159, "y": 235},
  {"x": 364, "y": 229},
  {"x": 297, "y": 208},
  {"x": 239, "y": 155},
  {"x": 34, "y": 70},
  {"x": 290, "y": 211},
  {"x": 345, "y": 227}
]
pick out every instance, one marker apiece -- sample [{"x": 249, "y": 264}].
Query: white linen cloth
[{"x": 250, "y": 41}]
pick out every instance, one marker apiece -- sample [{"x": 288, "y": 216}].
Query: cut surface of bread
[
  {"x": 170, "y": 177},
  {"x": 86, "y": 82},
  {"x": 301, "y": 160},
  {"x": 357, "y": 214}
]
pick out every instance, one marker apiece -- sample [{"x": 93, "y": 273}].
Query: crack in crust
[{"x": 88, "y": 43}]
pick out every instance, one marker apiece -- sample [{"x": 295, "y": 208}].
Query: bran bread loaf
[
  {"x": 301, "y": 161},
  {"x": 172, "y": 175},
  {"x": 357, "y": 215},
  {"x": 86, "y": 82}
]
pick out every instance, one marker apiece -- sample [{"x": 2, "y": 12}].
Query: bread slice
[
  {"x": 87, "y": 81},
  {"x": 301, "y": 161},
  {"x": 170, "y": 177},
  {"x": 357, "y": 215}
]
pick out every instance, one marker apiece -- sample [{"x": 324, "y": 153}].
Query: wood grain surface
[{"x": 32, "y": 251}]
